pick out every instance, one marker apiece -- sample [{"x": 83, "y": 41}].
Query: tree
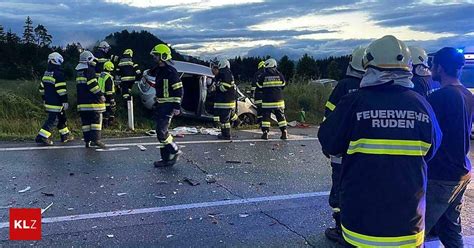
[
  {"x": 333, "y": 70},
  {"x": 28, "y": 33},
  {"x": 307, "y": 67},
  {"x": 3, "y": 37},
  {"x": 42, "y": 36},
  {"x": 12, "y": 37},
  {"x": 286, "y": 67}
]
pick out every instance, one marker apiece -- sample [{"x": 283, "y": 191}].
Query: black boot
[
  {"x": 284, "y": 134},
  {"x": 66, "y": 138},
  {"x": 172, "y": 159},
  {"x": 43, "y": 141},
  {"x": 99, "y": 144},
  {"x": 225, "y": 134},
  {"x": 265, "y": 135},
  {"x": 335, "y": 233}
]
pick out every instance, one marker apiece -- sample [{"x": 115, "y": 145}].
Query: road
[{"x": 267, "y": 193}]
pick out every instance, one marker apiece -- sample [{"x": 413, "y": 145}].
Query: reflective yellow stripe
[
  {"x": 221, "y": 105},
  {"x": 226, "y": 125},
  {"x": 44, "y": 133},
  {"x": 48, "y": 79},
  {"x": 125, "y": 63},
  {"x": 95, "y": 89},
  {"x": 336, "y": 210},
  {"x": 266, "y": 124},
  {"x": 91, "y": 107},
  {"x": 253, "y": 88},
  {"x": 258, "y": 101},
  {"x": 282, "y": 124},
  {"x": 280, "y": 104},
  {"x": 389, "y": 147},
  {"x": 102, "y": 60},
  {"x": 330, "y": 106},
  {"x": 60, "y": 84},
  {"x": 216, "y": 118},
  {"x": 222, "y": 88},
  {"x": 96, "y": 127},
  {"x": 62, "y": 92},
  {"x": 53, "y": 108},
  {"x": 228, "y": 85},
  {"x": 86, "y": 128},
  {"x": 234, "y": 117},
  {"x": 81, "y": 79},
  {"x": 166, "y": 93},
  {"x": 169, "y": 100},
  {"x": 92, "y": 81},
  {"x": 361, "y": 240},
  {"x": 177, "y": 85},
  {"x": 64, "y": 131},
  {"x": 129, "y": 78},
  {"x": 273, "y": 84},
  {"x": 167, "y": 141}
]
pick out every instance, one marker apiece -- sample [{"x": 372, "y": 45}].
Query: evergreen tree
[
  {"x": 307, "y": 67},
  {"x": 286, "y": 67},
  {"x": 12, "y": 38},
  {"x": 333, "y": 70},
  {"x": 28, "y": 33},
  {"x": 3, "y": 37},
  {"x": 42, "y": 36}
]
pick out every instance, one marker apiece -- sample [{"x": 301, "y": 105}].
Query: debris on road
[
  {"x": 162, "y": 182},
  {"x": 71, "y": 174},
  {"x": 160, "y": 196},
  {"x": 70, "y": 209},
  {"x": 142, "y": 148},
  {"x": 46, "y": 209},
  {"x": 47, "y": 194},
  {"x": 210, "y": 178},
  {"x": 233, "y": 162},
  {"x": 110, "y": 235},
  {"x": 244, "y": 215},
  {"x": 121, "y": 194},
  {"x": 25, "y": 189},
  {"x": 169, "y": 236},
  {"x": 191, "y": 182}
]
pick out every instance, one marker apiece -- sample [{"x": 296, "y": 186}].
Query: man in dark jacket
[
  {"x": 225, "y": 98},
  {"x": 387, "y": 133},
  {"x": 449, "y": 172},
  {"x": 422, "y": 81},
  {"x": 257, "y": 92},
  {"x": 54, "y": 93},
  {"x": 128, "y": 72}
]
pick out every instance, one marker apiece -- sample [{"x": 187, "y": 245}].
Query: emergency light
[
  {"x": 460, "y": 50},
  {"x": 469, "y": 56}
]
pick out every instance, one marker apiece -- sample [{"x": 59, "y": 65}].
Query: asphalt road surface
[{"x": 267, "y": 193}]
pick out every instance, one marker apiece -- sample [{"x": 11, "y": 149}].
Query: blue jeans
[{"x": 444, "y": 200}]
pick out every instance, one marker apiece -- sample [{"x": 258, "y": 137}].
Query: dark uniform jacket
[
  {"x": 102, "y": 57},
  {"x": 388, "y": 133},
  {"x": 88, "y": 91},
  {"x": 257, "y": 91},
  {"x": 127, "y": 70},
  {"x": 225, "y": 90},
  {"x": 272, "y": 83},
  {"x": 168, "y": 86},
  {"x": 53, "y": 88},
  {"x": 345, "y": 86},
  {"x": 422, "y": 84}
]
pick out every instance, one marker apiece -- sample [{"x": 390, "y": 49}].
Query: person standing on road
[
  {"x": 449, "y": 173},
  {"x": 355, "y": 72},
  {"x": 103, "y": 55},
  {"x": 54, "y": 93},
  {"x": 90, "y": 100},
  {"x": 169, "y": 93},
  {"x": 107, "y": 86},
  {"x": 257, "y": 92},
  {"x": 387, "y": 133},
  {"x": 271, "y": 82},
  {"x": 128, "y": 72},
  {"x": 225, "y": 103},
  {"x": 423, "y": 83}
]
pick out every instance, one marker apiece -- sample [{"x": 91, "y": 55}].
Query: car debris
[
  {"x": 47, "y": 194},
  {"x": 191, "y": 182},
  {"x": 24, "y": 190},
  {"x": 210, "y": 179}
]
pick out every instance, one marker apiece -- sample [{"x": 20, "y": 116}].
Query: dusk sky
[{"x": 252, "y": 27}]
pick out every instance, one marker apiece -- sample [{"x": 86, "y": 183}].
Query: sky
[{"x": 209, "y": 28}]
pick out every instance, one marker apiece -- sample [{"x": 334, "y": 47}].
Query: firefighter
[
  {"x": 54, "y": 94},
  {"x": 387, "y": 133},
  {"x": 103, "y": 55},
  {"x": 354, "y": 73},
  {"x": 90, "y": 100},
  {"x": 449, "y": 173},
  {"x": 271, "y": 82},
  {"x": 225, "y": 103},
  {"x": 423, "y": 83},
  {"x": 257, "y": 92},
  {"x": 128, "y": 72},
  {"x": 107, "y": 86},
  {"x": 169, "y": 93}
]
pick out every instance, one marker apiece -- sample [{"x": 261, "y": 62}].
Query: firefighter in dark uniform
[
  {"x": 54, "y": 94},
  {"x": 103, "y": 55},
  {"x": 107, "y": 86},
  {"x": 169, "y": 93},
  {"x": 387, "y": 133},
  {"x": 90, "y": 100},
  {"x": 128, "y": 72},
  {"x": 257, "y": 92},
  {"x": 225, "y": 103},
  {"x": 271, "y": 82},
  {"x": 354, "y": 73},
  {"x": 421, "y": 72}
]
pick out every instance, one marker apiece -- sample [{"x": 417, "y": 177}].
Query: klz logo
[{"x": 25, "y": 224}]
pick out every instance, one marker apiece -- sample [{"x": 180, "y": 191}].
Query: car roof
[{"x": 192, "y": 68}]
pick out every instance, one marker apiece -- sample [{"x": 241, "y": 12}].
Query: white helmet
[
  {"x": 270, "y": 63},
  {"x": 55, "y": 58},
  {"x": 86, "y": 57},
  {"x": 104, "y": 44},
  {"x": 223, "y": 63},
  {"x": 388, "y": 53},
  {"x": 356, "y": 59},
  {"x": 419, "y": 56}
]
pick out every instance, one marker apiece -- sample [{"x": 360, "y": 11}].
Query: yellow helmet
[
  {"x": 419, "y": 56},
  {"x": 109, "y": 66},
  {"x": 128, "y": 52},
  {"x": 388, "y": 53},
  {"x": 261, "y": 64},
  {"x": 161, "y": 51}
]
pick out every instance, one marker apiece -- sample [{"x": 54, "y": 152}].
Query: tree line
[{"x": 25, "y": 57}]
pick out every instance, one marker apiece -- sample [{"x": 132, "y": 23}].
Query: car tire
[{"x": 248, "y": 119}]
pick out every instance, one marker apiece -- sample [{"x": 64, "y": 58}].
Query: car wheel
[{"x": 248, "y": 119}]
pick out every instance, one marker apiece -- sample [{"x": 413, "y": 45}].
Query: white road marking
[
  {"x": 32, "y": 148},
  {"x": 176, "y": 207},
  {"x": 116, "y": 149}
]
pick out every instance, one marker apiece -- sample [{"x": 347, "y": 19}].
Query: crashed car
[{"x": 197, "y": 100}]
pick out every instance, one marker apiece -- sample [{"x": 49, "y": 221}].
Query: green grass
[{"x": 22, "y": 113}]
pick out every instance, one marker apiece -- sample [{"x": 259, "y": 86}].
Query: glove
[
  {"x": 176, "y": 112},
  {"x": 102, "y": 99},
  {"x": 65, "y": 106}
]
